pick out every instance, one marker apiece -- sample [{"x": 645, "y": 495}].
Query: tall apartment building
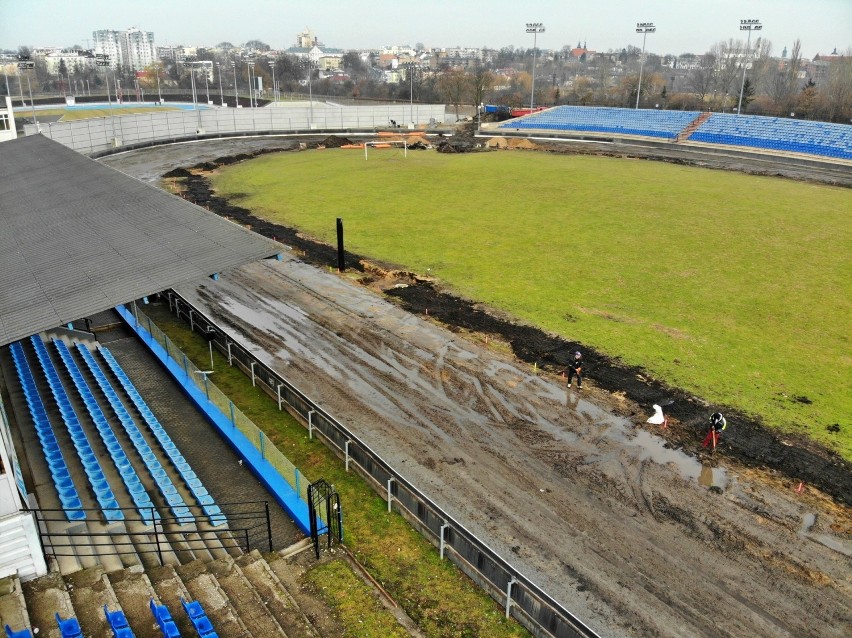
[{"x": 133, "y": 47}]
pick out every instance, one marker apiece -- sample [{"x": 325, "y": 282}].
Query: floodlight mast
[
  {"x": 535, "y": 28},
  {"x": 644, "y": 28},
  {"x": 747, "y": 25}
]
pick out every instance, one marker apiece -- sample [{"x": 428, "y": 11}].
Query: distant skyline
[{"x": 683, "y": 26}]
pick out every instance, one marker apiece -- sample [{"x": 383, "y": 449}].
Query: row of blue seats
[
  {"x": 155, "y": 468},
  {"x": 196, "y": 614},
  {"x": 198, "y": 618},
  {"x": 125, "y": 468},
  {"x": 666, "y": 124},
  {"x": 100, "y": 485},
  {"x": 68, "y": 496},
  {"x": 779, "y": 145},
  {"x": 622, "y": 130},
  {"x": 117, "y": 621},
  {"x": 205, "y": 500}
]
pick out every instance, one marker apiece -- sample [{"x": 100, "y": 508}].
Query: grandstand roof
[{"x": 78, "y": 237}]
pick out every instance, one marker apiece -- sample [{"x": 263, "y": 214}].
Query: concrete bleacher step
[
  {"x": 90, "y": 590},
  {"x": 252, "y": 609},
  {"x": 275, "y": 596},
  {"x": 45, "y": 597},
  {"x": 13, "y": 607},
  {"x": 133, "y": 590},
  {"x": 196, "y": 584},
  {"x": 169, "y": 589},
  {"x": 229, "y": 615}
]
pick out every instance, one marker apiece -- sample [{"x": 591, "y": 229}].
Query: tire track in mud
[
  {"x": 750, "y": 443},
  {"x": 502, "y": 453}
]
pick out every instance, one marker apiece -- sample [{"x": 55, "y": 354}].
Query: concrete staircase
[
  {"x": 243, "y": 598},
  {"x": 690, "y": 128}
]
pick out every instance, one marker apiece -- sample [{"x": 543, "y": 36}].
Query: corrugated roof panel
[{"x": 77, "y": 237}]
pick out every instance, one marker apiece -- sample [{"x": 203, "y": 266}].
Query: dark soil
[{"x": 746, "y": 440}]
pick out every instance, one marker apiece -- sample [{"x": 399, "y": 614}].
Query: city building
[{"x": 132, "y": 47}]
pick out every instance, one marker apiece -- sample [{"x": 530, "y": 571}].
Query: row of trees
[{"x": 710, "y": 81}]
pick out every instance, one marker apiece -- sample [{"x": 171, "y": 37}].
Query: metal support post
[
  {"x": 191, "y": 321},
  {"x": 311, "y": 423},
  {"x": 206, "y": 387},
  {"x": 509, "y": 596},
  {"x": 268, "y": 525},
  {"x": 262, "y": 438},
  {"x": 252, "y": 375},
  {"x": 185, "y": 366},
  {"x": 390, "y": 496},
  {"x": 279, "y": 397},
  {"x": 346, "y": 453},
  {"x": 230, "y": 357},
  {"x": 444, "y": 526}
]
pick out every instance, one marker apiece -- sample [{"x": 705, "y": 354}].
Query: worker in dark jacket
[
  {"x": 717, "y": 426},
  {"x": 576, "y": 368}
]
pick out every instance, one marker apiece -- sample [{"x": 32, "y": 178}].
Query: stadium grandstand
[
  {"x": 716, "y": 129},
  {"x": 106, "y": 490}
]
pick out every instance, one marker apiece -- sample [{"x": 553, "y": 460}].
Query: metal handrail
[{"x": 514, "y": 579}]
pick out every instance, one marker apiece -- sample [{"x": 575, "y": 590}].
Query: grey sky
[{"x": 682, "y": 25}]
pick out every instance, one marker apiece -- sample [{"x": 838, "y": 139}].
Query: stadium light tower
[
  {"x": 535, "y": 28},
  {"x": 234, "y": 66},
  {"x": 644, "y": 28},
  {"x": 747, "y": 25},
  {"x": 221, "y": 94}
]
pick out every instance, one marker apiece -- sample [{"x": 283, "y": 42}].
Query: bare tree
[
  {"x": 702, "y": 79},
  {"x": 453, "y": 86},
  {"x": 481, "y": 80},
  {"x": 836, "y": 96},
  {"x": 785, "y": 85}
]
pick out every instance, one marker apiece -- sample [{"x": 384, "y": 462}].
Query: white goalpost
[{"x": 384, "y": 143}]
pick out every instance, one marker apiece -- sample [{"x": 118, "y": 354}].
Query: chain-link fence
[{"x": 523, "y": 599}]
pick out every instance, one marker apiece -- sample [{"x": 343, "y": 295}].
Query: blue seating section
[
  {"x": 199, "y": 618},
  {"x": 119, "y": 457},
  {"x": 777, "y": 133},
  {"x": 213, "y": 511},
  {"x": 68, "y": 496},
  {"x": 100, "y": 486},
  {"x": 69, "y": 628},
  {"x": 161, "y": 478},
  {"x": 21, "y": 633},
  {"x": 118, "y": 623},
  {"x": 164, "y": 620},
  {"x": 602, "y": 119}
]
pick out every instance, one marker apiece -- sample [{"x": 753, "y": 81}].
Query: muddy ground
[{"x": 623, "y": 525}]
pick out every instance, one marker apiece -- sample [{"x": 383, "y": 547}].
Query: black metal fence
[
  {"x": 248, "y": 527},
  {"x": 523, "y": 599}
]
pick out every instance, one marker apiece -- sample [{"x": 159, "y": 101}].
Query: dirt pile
[{"x": 332, "y": 141}]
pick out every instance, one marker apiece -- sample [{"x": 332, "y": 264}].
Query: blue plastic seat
[
  {"x": 69, "y": 628},
  {"x": 21, "y": 633},
  {"x": 164, "y": 620}
]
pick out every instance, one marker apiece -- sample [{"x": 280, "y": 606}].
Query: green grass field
[
  {"x": 734, "y": 287},
  {"x": 85, "y": 114}
]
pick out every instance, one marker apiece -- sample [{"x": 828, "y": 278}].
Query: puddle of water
[{"x": 646, "y": 445}]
